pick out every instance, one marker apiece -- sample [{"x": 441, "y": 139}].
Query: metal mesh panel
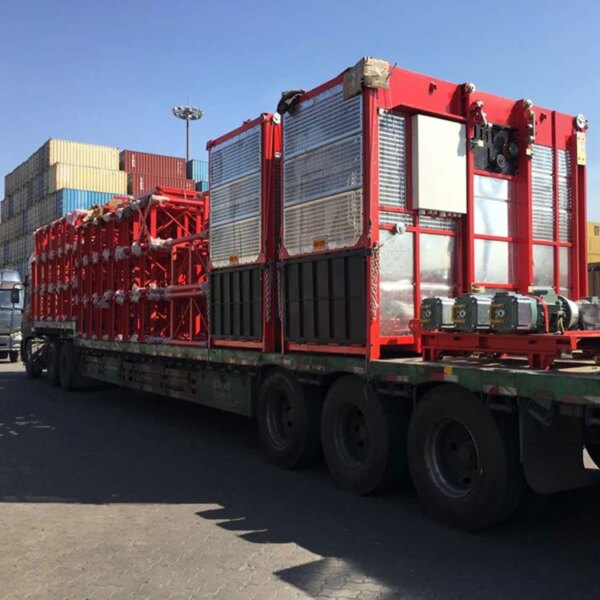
[
  {"x": 392, "y": 218},
  {"x": 543, "y": 223},
  {"x": 321, "y": 120},
  {"x": 326, "y": 171},
  {"x": 437, "y": 223},
  {"x": 235, "y": 201},
  {"x": 565, "y": 226},
  {"x": 236, "y": 243},
  {"x": 392, "y": 160},
  {"x": 542, "y": 193},
  {"x": 235, "y": 158},
  {"x": 564, "y": 163},
  {"x": 323, "y": 173},
  {"x": 336, "y": 221}
]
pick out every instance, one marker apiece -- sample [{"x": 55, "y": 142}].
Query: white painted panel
[{"x": 439, "y": 165}]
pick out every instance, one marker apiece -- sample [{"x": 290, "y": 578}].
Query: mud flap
[{"x": 552, "y": 450}]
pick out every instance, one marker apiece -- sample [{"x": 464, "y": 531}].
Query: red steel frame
[
  {"x": 270, "y": 192},
  {"x": 410, "y": 94},
  {"x": 130, "y": 270}
]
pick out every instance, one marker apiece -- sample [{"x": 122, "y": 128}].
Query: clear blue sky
[{"x": 108, "y": 71}]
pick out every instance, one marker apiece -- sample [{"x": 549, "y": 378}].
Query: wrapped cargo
[
  {"x": 244, "y": 197},
  {"x": 138, "y": 183},
  {"x": 156, "y": 165},
  {"x": 495, "y": 201}
]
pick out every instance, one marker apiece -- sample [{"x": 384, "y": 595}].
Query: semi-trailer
[{"x": 366, "y": 196}]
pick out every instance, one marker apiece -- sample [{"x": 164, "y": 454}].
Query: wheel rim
[
  {"x": 280, "y": 419},
  {"x": 452, "y": 458},
  {"x": 351, "y": 436}
]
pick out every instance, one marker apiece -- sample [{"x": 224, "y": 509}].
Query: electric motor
[
  {"x": 471, "y": 312},
  {"x": 436, "y": 313},
  {"x": 515, "y": 312}
]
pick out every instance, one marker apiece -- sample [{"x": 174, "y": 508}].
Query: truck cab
[{"x": 11, "y": 313}]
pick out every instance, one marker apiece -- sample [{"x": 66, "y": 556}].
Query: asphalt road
[{"x": 108, "y": 493}]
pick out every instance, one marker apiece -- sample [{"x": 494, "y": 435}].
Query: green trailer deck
[{"x": 475, "y": 433}]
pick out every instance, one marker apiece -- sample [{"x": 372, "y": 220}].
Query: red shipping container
[
  {"x": 132, "y": 161},
  {"x": 138, "y": 183}
]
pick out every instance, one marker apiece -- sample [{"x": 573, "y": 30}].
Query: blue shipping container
[
  {"x": 68, "y": 200},
  {"x": 197, "y": 170},
  {"x": 202, "y": 186}
]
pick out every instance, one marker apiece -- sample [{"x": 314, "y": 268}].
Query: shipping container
[
  {"x": 132, "y": 161},
  {"x": 138, "y": 183},
  {"x": 427, "y": 188},
  {"x": 62, "y": 175},
  {"x": 202, "y": 186},
  {"x": 61, "y": 151},
  {"x": 197, "y": 170}
]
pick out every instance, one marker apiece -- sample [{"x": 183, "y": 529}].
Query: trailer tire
[
  {"x": 52, "y": 362},
  {"x": 464, "y": 463},
  {"x": 288, "y": 420},
  {"x": 33, "y": 368},
  {"x": 67, "y": 367},
  {"x": 363, "y": 437},
  {"x": 13, "y": 356}
]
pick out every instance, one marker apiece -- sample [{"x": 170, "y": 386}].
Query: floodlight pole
[{"x": 187, "y": 113}]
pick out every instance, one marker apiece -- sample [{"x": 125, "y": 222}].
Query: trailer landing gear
[
  {"x": 464, "y": 462},
  {"x": 32, "y": 357},
  {"x": 363, "y": 437}
]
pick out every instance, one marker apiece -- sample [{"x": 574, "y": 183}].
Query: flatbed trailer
[{"x": 478, "y": 435}]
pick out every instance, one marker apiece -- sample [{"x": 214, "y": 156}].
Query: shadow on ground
[{"x": 116, "y": 446}]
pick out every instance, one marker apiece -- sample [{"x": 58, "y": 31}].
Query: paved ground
[{"x": 113, "y": 494}]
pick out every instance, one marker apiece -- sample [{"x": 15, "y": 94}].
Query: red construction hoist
[{"x": 398, "y": 186}]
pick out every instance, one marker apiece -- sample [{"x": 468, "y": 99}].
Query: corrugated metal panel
[
  {"x": 146, "y": 163},
  {"x": 392, "y": 160},
  {"x": 323, "y": 178},
  {"x": 67, "y": 200},
  {"x": 77, "y": 153},
  {"x": 142, "y": 184},
  {"x": 61, "y": 175},
  {"x": 197, "y": 170},
  {"x": 202, "y": 186}
]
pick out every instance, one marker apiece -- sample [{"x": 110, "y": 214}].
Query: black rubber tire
[
  {"x": 498, "y": 488},
  {"x": 13, "y": 356},
  {"x": 377, "y": 460},
  {"x": 67, "y": 367},
  {"x": 52, "y": 359},
  {"x": 290, "y": 442},
  {"x": 33, "y": 368}
]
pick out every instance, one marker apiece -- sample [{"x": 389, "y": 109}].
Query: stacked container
[
  {"x": 198, "y": 171},
  {"x": 59, "y": 177},
  {"x": 244, "y": 198},
  {"x": 147, "y": 171}
]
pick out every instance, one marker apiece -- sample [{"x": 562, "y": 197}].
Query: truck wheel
[
  {"x": 33, "y": 366},
  {"x": 52, "y": 359},
  {"x": 67, "y": 367},
  {"x": 464, "y": 463},
  {"x": 13, "y": 356},
  {"x": 363, "y": 437},
  {"x": 288, "y": 420}
]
